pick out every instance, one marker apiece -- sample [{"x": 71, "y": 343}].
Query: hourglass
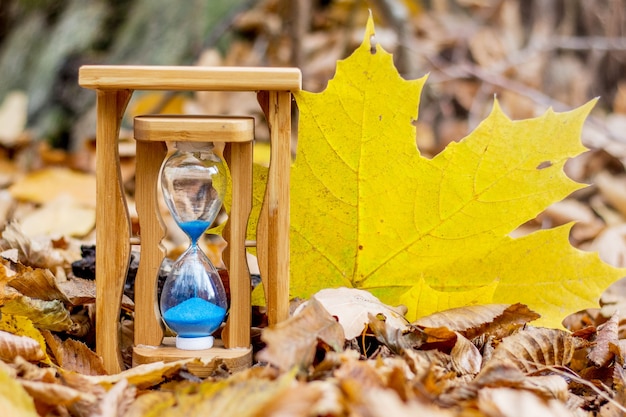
[
  {"x": 194, "y": 179},
  {"x": 193, "y": 301},
  {"x": 115, "y": 85}
]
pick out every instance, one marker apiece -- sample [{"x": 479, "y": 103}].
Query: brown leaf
[
  {"x": 54, "y": 393},
  {"x": 498, "y": 320},
  {"x": 142, "y": 376},
  {"x": 47, "y": 184},
  {"x": 507, "y": 402},
  {"x": 63, "y": 216},
  {"x": 73, "y": 355},
  {"x": 600, "y": 353},
  {"x": 386, "y": 403},
  {"x": 293, "y": 342},
  {"x": 12, "y": 346},
  {"x": 284, "y": 405},
  {"x": 536, "y": 348},
  {"x": 34, "y": 283},
  {"x": 117, "y": 400},
  {"x": 149, "y": 401},
  {"x": 466, "y": 357},
  {"x": 612, "y": 189}
]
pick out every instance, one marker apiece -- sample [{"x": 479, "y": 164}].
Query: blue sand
[
  {"x": 194, "y": 228},
  {"x": 195, "y": 317}
]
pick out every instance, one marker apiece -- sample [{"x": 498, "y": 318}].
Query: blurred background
[{"x": 530, "y": 54}]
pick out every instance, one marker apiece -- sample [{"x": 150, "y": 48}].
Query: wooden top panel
[
  {"x": 189, "y": 78},
  {"x": 190, "y": 128}
]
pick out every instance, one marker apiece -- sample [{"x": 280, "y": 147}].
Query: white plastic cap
[{"x": 194, "y": 343}]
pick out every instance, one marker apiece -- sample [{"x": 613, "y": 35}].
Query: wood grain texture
[
  {"x": 277, "y": 196},
  {"x": 239, "y": 158},
  {"x": 234, "y": 359},
  {"x": 194, "y": 128},
  {"x": 112, "y": 77},
  {"x": 112, "y": 227},
  {"x": 148, "y": 325}
]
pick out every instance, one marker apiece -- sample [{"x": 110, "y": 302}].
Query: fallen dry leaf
[
  {"x": 246, "y": 394},
  {"x": 62, "y": 216},
  {"x": 54, "y": 393},
  {"x": 39, "y": 252},
  {"x": 507, "y": 402},
  {"x": 352, "y": 308},
  {"x": 497, "y": 320},
  {"x": 467, "y": 359},
  {"x": 537, "y": 348},
  {"x": 150, "y": 402},
  {"x": 49, "y": 315},
  {"x": 293, "y": 342},
  {"x": 34, "y": 283},
  {"x": 48, "y": 184},
  {"x": 142, "y": 376},
  {"x": 73, "y": 355},
  {"x": 612, "y": 189},
  {"x": 12, "y": 346},
  {"x": 601, "y": 353},
  {"x": 14, "y": 400},
  {"x": 386, "y": 403}
]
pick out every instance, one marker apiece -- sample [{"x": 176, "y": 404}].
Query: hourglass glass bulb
[{"x": 193, "y": 301}]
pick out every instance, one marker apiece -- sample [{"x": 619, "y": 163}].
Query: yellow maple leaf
[{"x": 368, "y": 211}]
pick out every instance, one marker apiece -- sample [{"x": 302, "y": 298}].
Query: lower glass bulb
[{"x": 193, "y": 301}]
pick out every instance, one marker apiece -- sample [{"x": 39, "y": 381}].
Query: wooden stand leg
[
  {"x": 239, "y": 159},
  {"x": 148, "y": 326},
  {"x": 278, "y": 112},
  {"x": 112, "y": 227}
]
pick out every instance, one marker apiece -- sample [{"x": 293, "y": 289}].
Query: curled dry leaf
[
  {"x": 34, "y": 283},
  {"x": 55, "y": 394},
  {"x": 601, "y": 353},
  {"x": 293, "y": 342},
  {"x": 73, "y": 355},
  {"x": 498, "y": 320},
  {"x": 12, "y": 346},
  {"x": 466, "y": 358},
  {"x": 535, "y": 348},
  {"x": 352, "y": 308}
]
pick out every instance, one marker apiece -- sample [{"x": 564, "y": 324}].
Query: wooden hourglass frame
[{"x": 114, "y": 86}]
